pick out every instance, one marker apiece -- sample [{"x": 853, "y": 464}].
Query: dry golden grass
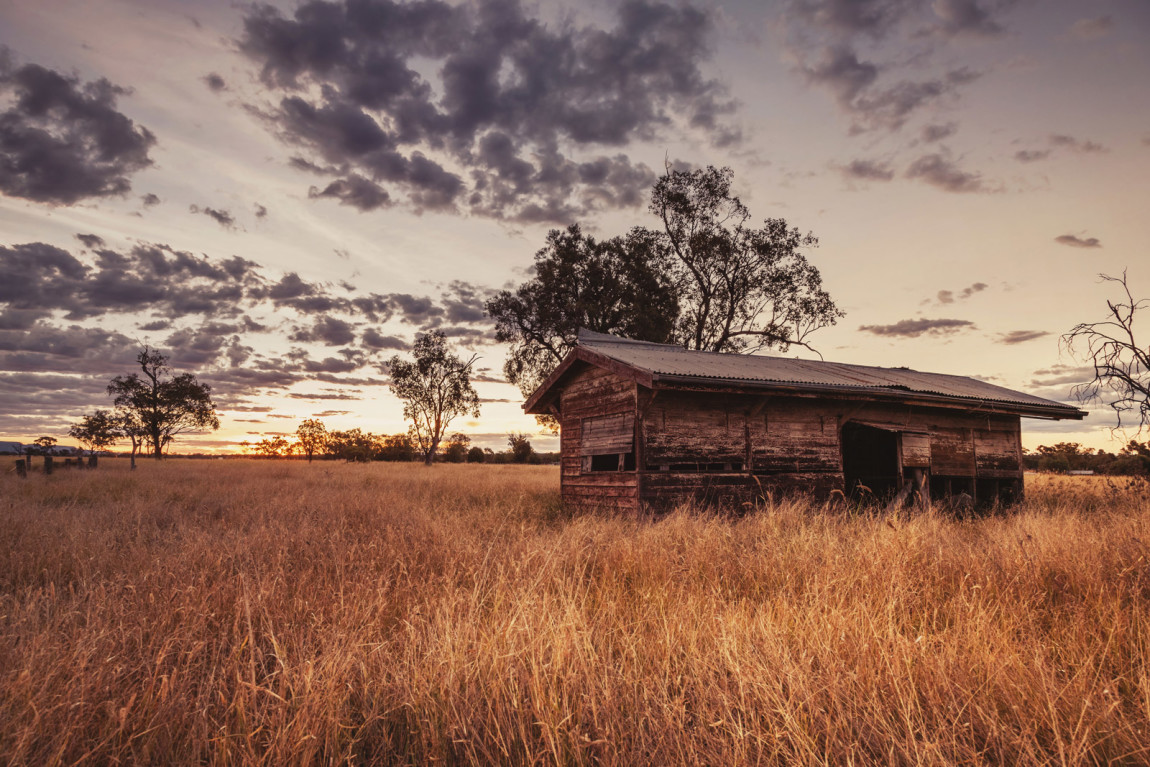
[{"x": 277, "y": 613}]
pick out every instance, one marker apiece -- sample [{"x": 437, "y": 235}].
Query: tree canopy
[
  {"x": 311, "y": 436},
  {"x": 705, "y": 279},
  {"x": 435, "y": 389},
  {"x": 97, "y": 431},
  {"x": 161, "y": 406},
  {"x": 740, "y": 288},
  {"x": 621, "y": 285}
]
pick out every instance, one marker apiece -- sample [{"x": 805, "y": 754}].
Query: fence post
[
  {"x": 47, "y": 464},
  {"x": 21, "y": 469},
  {"x": 92, "y": 461}
]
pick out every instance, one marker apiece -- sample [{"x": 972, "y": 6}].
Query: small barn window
[{"x": 607, "y": 443}]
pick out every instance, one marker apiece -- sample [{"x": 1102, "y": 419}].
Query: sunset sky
[{"x": 281, "y": 196}]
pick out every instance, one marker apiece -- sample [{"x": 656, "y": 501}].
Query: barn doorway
[{"x": 870, "y": 461}]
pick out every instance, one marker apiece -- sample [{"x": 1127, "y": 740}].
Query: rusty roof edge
[{"x": 1054, "y": 411}]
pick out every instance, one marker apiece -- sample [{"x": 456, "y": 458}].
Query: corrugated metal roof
[{"x": 664, "y": 360}]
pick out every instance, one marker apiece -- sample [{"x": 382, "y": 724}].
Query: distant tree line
[
  {"x": 1133, "y": 459},
  {"x": 313, "y": 440}
]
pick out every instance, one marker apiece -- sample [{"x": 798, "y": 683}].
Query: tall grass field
[{"x": 248, "y": 612}]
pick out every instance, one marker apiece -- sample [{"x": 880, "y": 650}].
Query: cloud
[
  {"x": 330, "y": 331},
  {"x": 867, "y": 170},
  {"x": 373, "y": 339},
  {"x": 940, "y": 172},
  {"x": 481, "y": 106},
  {"x": 875, "y": 18},
  {"x": 206, "y": 309},
  {"x": 969, "y": 291},
  {"x": 149, "y": 199},
  {"x": 1078, "y": 242},
  {"x": 1020, "y": 336},
  {"x": 853, "y": 82},
  {"x": 1057, "y": 141},
  {"x": 215, "y": 82},
  {"x": 932, "y": 133},
  {"x": 1092, "y": 29},
  {"x": 323, "y": 396},
  {"x": 917, "y": 327},
  {"x": 969, "y": 17},
  {"x": 1076, "y": 145},
  {"x": 62, "y": 141},
  {"x": 261, "y": 211},
  {"x": 949, "y": 297},
  {"x": 222, "y": 217},
  {"x": 356, "y": 191},
  {"x": 1031, "y": 155}
]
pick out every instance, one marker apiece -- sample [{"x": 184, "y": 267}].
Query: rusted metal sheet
[{"x": 666, "y": 363}]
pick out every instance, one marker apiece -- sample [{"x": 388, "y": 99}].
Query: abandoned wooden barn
[{"x": 649, "y": 425}]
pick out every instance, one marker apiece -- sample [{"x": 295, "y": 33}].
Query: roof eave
[{"x": 1054, "y": 412}]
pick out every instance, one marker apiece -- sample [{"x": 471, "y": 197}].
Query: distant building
[{"x": 649, "y": 425}]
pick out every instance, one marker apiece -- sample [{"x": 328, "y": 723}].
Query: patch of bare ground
[{"x": 244, "y": 612}]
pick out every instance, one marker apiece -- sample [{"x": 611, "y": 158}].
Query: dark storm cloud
[
  {"x": 63, "y": 141},
  {"x": 918, "y": 327},
  {"x": 215, "y": 82},
  {"x": 1078, "y": 242},
  {"x": 867, "y": 170},
  {"x": 485, "y": 135},
  {"x": 222, "y": 217},
  {"x": 939, "y": 171},
  {"x": 1021, "y": 336}
]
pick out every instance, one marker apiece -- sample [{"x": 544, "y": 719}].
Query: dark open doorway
[{"x": 870, "y": 460}]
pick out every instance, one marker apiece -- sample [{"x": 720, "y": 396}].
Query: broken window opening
[{"x": 609, "y": 462}]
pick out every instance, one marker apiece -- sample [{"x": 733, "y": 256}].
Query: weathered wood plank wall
[
  {"x": 592, "y": 394},
  {"x": 734, "y": 448}
]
